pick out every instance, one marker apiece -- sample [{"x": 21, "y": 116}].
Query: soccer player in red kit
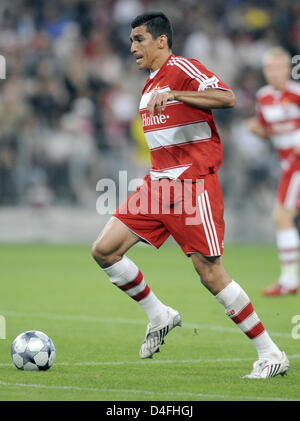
[
  {"x": 278, "y": 119},
  {"x": 186, "y": 150}
]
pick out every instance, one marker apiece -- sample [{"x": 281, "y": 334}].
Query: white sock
[
  {"x": 127, "y": 276},
  {"x": 239, "y": 308},
  {"x": 288, "y": 252}
]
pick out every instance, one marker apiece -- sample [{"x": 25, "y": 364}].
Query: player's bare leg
[
  {"x": 288, "y": 245},
  {"x": 211, "y": 271},
  {"x": 109, "y": 252},
  {"x": 271, "y": 361},
  {"x": 112, "y": 243}
]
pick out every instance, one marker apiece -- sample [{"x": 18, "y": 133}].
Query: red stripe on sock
[
  {"x": 257, "y": 330},
  {"x": 142, "y": 294},
  {"x": 133, "y": 283},
  {"x": 288, "y": 250},
  {"x": 243, "y": 314}
]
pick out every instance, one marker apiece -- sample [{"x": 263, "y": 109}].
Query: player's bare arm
[{"x": 208, "y": 99}]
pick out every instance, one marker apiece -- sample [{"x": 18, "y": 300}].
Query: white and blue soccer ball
[{"x": 33, "y": 351}]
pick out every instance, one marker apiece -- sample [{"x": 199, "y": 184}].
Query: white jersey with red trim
[
  {"x": 279, "y": 112},
  {"x": 184, "y": 142}
]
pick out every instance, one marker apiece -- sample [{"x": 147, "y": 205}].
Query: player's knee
[
  {"x": 102, "y": 254},
  {"x": 97, "y": 252}
]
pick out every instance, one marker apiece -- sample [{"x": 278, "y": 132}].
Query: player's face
[
  {"x": 144, "y": 47},
  {"x": 277, "y": 71}
]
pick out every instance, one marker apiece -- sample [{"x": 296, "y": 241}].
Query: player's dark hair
[{"x": 156, "y": 23}]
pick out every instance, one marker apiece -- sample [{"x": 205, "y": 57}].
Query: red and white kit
[
  {"x": 279, "y": 112},
  {"x": 185, "y": 145}
]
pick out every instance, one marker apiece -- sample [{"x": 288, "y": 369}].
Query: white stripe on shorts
[
  {"x": 212, "y": 222},
  {"x": 208, "y": 224},
  {"x": 292, "y": 195}
]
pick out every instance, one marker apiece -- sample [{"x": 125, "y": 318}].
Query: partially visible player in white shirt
[{"x": 278, "y": 119}]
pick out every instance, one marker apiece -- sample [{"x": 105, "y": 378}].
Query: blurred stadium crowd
[{"x": 68, "y": 106}]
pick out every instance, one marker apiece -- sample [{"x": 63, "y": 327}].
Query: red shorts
[
  {"x": 192, "y": 212},
  {"x": 288, "y": 193}
]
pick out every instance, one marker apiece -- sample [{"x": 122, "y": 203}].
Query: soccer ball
[{"x": 33, "y": 351}]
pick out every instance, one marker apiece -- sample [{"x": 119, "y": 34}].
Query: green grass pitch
[{"x": 98, "y": 330}]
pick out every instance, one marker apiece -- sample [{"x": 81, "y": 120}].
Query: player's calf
[
  {"x": 211, "y": 271},
  {"x": 237, "y": 306},
  {"x": 127, "y": 277},
  {"x": 109, "y": 252}
]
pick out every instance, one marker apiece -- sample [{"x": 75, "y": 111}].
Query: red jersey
[
  {"x": 279, "y": 112},
  {"x": 184, "y": 142}
]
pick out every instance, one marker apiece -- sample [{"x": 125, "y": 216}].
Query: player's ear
[{"x": 162, "y": 41}]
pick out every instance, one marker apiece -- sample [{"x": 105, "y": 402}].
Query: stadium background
[{"x": 68, "y": 108}]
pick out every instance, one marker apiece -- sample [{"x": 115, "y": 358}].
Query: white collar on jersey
[{"x": 153, "y": 74}]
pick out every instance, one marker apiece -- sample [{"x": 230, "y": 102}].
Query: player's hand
[
  {"x": 158, "y": 102},
  {"x": 297, "y": 150},
  {"x": 255, "y": 127}
]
